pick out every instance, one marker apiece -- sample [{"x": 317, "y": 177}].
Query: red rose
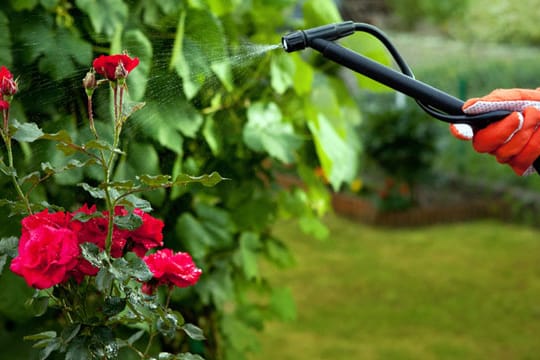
[
  {"x": 4, "y": 105},
  {"x": 8, "y": 86},
  {"x": 114, "y": 67},
  {"x": 48, "y": 250},
  {"x": 147, "y": 236},
  {"x": 171, "y": 269}
]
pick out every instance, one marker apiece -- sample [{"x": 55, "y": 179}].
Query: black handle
[{"x": 426, "y": 94}]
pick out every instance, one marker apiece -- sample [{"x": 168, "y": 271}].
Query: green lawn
[{"x": 458, "y": 291}]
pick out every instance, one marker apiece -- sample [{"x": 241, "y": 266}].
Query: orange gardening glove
[{"x": 513, "y": 140}]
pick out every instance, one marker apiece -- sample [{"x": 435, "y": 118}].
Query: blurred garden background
[{"x": 353, "y": 226}]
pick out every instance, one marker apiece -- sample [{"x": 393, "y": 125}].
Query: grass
[{"x": 460, "y": 291}]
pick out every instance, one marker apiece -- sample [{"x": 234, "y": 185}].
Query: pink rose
[
  {"x": 171, "y": 269},
  {"x": 48, "y": 250}
]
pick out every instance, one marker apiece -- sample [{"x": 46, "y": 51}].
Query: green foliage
[
  {"x": 216, "y": 100},
  {"x": 499, "y": 21},
  {"x": 400, "y": 140},
  {"x": 414, "y": 12}
]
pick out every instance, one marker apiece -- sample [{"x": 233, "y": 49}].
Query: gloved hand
[{"x": 513, "y": 140}]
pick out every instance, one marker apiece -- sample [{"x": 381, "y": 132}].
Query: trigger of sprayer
[{"x": 302, "y": 39}]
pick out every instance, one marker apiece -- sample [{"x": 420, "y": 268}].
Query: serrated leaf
[
  {"x": 133, "y": 338},
  {"x": 129, "y": 222},
  {"x": 266, "y": 131},
  {"x": 207, "y": 180},
  {"x": 9, "y": 246},
  {"x": 7, "y": 170},
  {"x": 32, "y": 178},
  {"x": 193, "y": 331},
  {"x": 113, "y": 305},
  {"x": 98, "y": 145},
  {"x": 249, "y": 246},
  {"x": 27, "y": 132},
  {"x": 155, "y": 180},
  {"x": 70, "y": 331},
  {"x": 282, "y": 70},
  {"x": 283, "y": 305},
  {"x": 41, "y": 336},
  {"x": 61, "y": 136},
  {"x": 93, "y": 191},
  {"x": 134, "y": 202},
  {"x": 106, "y": 16},
  {"x": 104, "y": 280},
  {"x": 92, "y": 253},
  {"x": 138, "y": 268},
  {"x": 39, "y": 305}
]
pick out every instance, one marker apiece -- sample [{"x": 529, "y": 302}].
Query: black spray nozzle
[{"x": 301, "y": 39}]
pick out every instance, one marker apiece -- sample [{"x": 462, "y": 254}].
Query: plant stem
[{"x": 6, "y": 136}]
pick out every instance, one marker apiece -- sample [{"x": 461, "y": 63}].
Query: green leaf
[
  {"x": 282, "y": 304},
  {"x": 20, "y": 5},
  {"x": 93, "y": 191},
  {"x": 106, "y": 16},
  {"x": 27, "y": 132},
  {"x": 129, "y": 222},
  {"x": 9, "y": 246},
  {"x": 337, "y": 158},
  {"x": 69, "y": 332},
  {"x": 41, "y": 336},
  {"x": 193, "y": 332},
  {"x": 167, "y": 325},
  {"x": 134, "y": 202},
  {"x": 93, "y": 253},
  {"x": 206, "y": 180},
  {"x": 320, "y": 12},
  {"x": 282, "y": 70},
  {"x": 104, "y": 280},
  {"x": 188, "y": 356},
  {"x": 249, "y": 247},
  {"x": 303, "y": 75},
  {"x": 61, "y": 136},
  {"x": 78, "y": 350},
  {"x": 137, "y": 268},
  {"x": 113, "y": 305},
  {"x": 39, "y": 305},
  {"x": 155, "y": 180},
  {"x": 371, "y": 47},
  {"x": 195, "y": 58},
  {"x": 266, "y": 131}
]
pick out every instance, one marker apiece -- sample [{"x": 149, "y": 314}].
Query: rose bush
[{"x": 94, "y": 265}]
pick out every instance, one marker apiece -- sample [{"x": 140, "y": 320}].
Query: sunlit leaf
[
  {"x": 249, "y": 247},
  {"x": 266, "y": 131},
  {"x": 283, "y": 305},
  {"x": 93, "y": 191},
  {"x": 106, "y": 16},
  {"x": 27, "y": 132},
  {"x": 193, "y": 331},
  {"x": 207, "y": 180},
  {"x": 282, "y": 71},
  {"x": 155, "y": 180},
  {"x": 321, "y": 12},
  {"x": 129, "y": 222}
]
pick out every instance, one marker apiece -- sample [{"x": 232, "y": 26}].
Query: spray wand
[{"x": 435, "y": 102}]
